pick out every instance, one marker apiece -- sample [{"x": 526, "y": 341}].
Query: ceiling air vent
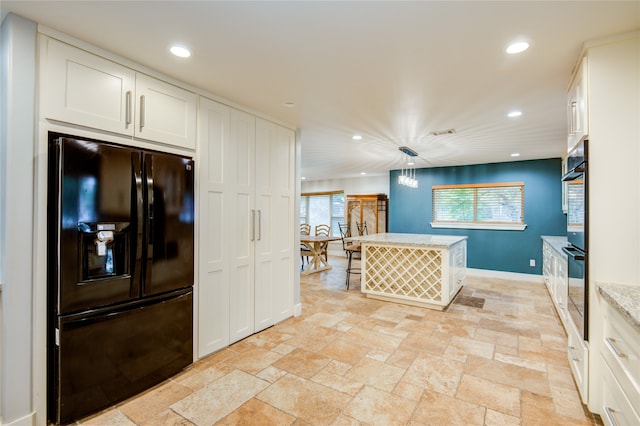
[{"x": 443, "y": 132}]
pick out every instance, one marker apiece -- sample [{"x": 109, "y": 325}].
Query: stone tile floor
[{"x": 496, "y": 356}]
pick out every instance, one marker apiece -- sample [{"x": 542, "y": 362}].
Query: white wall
[{"x": 17, "y": 139}]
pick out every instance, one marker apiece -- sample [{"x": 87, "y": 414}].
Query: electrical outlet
[{"x": 532, "y": 262}]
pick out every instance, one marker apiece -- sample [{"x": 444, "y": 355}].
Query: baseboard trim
[
  {"x": 515, "y": 276},
  {"x": 297, "y": 309}
]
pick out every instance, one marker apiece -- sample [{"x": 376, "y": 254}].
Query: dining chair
[
  {"x": 362, "y": 228},
  {"x": 323, "y": 231},
  {"x": 354, "y": 251},
  {"x": 305, "y": 229},
  {"x": 345, "y": 232}
]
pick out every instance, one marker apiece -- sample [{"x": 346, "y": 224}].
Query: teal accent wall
[{"x": 410, "y": 211}]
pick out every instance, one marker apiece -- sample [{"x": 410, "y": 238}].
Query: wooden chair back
[{"x": 323, "y": 230}]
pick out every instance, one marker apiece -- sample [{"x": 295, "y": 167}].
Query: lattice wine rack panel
[{"x": 412, "y": 273}]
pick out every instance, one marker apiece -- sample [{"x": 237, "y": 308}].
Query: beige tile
[
  {"x": 375, "y": 373},
  {"x": 254, "y": 359},
  {"x": 402, "y": 358},
  {"x": 271, "y": 374},
  {"x": 306, "y": 400},
  {"x": 219, "y": 398},
  {"x": 302, "y": 363},
  {"x": 112, "y": 417},
  {"x": 539, "y": 410},
  {"x": 437, "y": 409},
  {"x": 499, "y": 397},
  {"x": 345, "y": 351},
  {"x": 460, "y": 347},
  {"x": 495, "y": 418},
  {"x": 256, "y": 413},
  {"x": 496, "y": 337},
  {"x": 435, "y": 373},
  {"x": 166, "y": 418},
  {"x": 373, "y": 339},
  {"x": 375, "y": 407},
  {"x": 337, "y": 382},
  {"x": 204, "y": 377},
  {"x": 407, "y": 390},
  {"x": 314, "y": 339},
  {"x": 522, "y": 362},
  {"x": 508, "y": 374},
  {"x": 154, "y": 401}
]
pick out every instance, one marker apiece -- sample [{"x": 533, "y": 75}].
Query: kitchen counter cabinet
[
  {"x": 415, "y": 269},
  {"x": 620, "y": 354},
  {"x": 554, "y": 269}
]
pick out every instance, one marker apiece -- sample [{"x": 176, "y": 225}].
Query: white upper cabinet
[
  {"x": 88, "y": 90},
  {"x": 165, "y": 113},
  {"x": 578, "y": 107}
]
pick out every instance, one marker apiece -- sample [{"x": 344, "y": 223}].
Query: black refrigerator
[{"x": 120, "y": 272}]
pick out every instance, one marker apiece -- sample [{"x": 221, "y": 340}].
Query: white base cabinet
[
  {"x": 88, "y": 90},
  {"x": 247, "y": 205},
  {"x": 554, "y": 270},
  {"x": 620, "y": 356}
]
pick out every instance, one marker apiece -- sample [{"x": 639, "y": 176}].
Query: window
[
  {"x": 479, "y": 206},
  {"x": 323, "y": 208}
]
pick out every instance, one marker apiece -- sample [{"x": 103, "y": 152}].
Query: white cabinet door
[
  {"x": 88, "y": 90},
  {"x": 274, "y": 219},
  {"x": 165, "y": 113},
  {"x": 578, "y": 107},
  {"x": 241, "y": 229},
  {"x": 213, "y": 275}
]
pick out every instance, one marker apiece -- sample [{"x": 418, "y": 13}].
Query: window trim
[
  {"x": 330, "y": 194},
  {"x": 505, "y": 226}
]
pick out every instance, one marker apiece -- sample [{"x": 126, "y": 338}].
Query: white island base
[{"x": 414, "y": 269}]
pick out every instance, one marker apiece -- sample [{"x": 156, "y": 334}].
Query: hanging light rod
[{"x": 408, "y": 151}]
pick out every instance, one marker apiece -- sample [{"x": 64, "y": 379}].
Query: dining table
[{"x": 316, "y": 245}]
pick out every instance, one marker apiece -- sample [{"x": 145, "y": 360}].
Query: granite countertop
[
  {"x": 556, "y": 243},
  {"x": 418, "y": 240},
  {"x": 624, "y": 299}
]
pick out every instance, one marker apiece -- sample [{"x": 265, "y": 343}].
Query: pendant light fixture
[{"x": 407, "y": 175}]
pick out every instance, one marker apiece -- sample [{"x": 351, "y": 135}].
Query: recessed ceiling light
[
  {"x": 302, "y": 178},
  {"x": 515, "y": 154},
  {"x": 517, "y": 47},
  {"x": 180, "y": 51},
  {"x": 514, "y": 114},
  {"x": 410, "y": 163},
  {"x": 356, "y": 137},
  {"x": 289, "y": 104},
  {"x": 363, "y": 173}
]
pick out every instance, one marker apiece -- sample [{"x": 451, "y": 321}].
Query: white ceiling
[{"x": 391, "y": 71}]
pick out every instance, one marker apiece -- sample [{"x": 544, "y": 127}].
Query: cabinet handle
[
  {"x": 259, "y": 225},
  {"x": 128, "y": 108},
  {"x": 141, "y": 111},
  {"x": 253, "y": 225},
  {"x": 609, "y": 412},
  {"x": 612, "y": 344},
  {"x": 572, "y": 354}
]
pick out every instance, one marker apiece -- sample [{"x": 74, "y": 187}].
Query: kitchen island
[{"x": 416, "y": 269}]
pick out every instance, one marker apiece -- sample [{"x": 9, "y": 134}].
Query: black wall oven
[{"x": 577, "y": 235}]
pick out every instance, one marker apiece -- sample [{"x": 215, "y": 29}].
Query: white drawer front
[
  {"x": 621, "y": 350},
  {"x": 617, "y": 410}
]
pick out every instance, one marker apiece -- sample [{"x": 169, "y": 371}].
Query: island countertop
[{"x": 417, "y": 240}]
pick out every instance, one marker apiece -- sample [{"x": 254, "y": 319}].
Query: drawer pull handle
[
  {"x": 572, "y": 354},
  {"x": 610, "y": 416},
  {"x": 612, "y": 344}
]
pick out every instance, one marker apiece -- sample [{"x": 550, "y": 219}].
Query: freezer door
[
  {"x": 102, "y": 359},
  {"x": 93, "y": 237},
  {"x": 169, "y": 230}
]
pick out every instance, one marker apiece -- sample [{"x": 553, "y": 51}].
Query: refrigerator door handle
[
  {"x": 148, "y": 164},
  {"x": 137, "y": 175}
]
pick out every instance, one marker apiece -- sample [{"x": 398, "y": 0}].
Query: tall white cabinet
[
  {"x": 247, "y": 194},
  {"x": 610, "y": 70}
]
